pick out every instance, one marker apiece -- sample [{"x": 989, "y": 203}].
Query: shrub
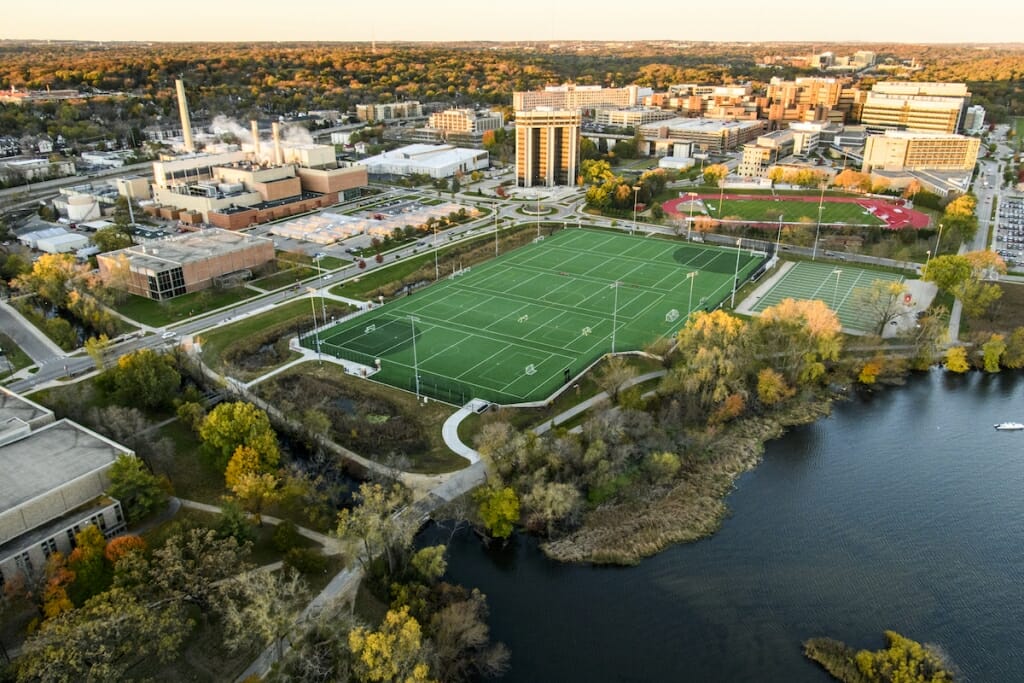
[
  {"x": 286, "y": 536},
  {"x": 305, "y": 561}
]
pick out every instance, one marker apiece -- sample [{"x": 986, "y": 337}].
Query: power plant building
[
  {"x": 184, "y": 263},
  {"x": 547, "y": 147}
]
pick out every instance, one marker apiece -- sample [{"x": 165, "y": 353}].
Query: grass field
[
  {"x": 13, "y": 358},
  {"x": 159, "y": 313},
  {"x": 511, "y": 329},
  {"x": 767, "y": 210},
  {"x": 807, "y": 280}
]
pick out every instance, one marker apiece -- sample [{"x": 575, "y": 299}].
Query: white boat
[{"x": 1009, "y": 426}]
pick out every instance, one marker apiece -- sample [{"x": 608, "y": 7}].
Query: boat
[{"x": 1009, "y": 426}]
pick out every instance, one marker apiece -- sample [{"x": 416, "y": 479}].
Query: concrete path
[
  {"x": 27, "y": 336},
  {"x": 561, "y": 418},
  {"x": 450, "y": 432},
  {"x": 331, "y": 546}
]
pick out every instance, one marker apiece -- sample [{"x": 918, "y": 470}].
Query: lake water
[{"x": 904, "y": 510}]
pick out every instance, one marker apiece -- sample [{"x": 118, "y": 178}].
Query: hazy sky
[{"x": 544, "y": 20}]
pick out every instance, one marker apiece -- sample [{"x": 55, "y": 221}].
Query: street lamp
[
  {"x": 721, "y": 196},
  {"x": 320, "y": 269},
  {"x": 689, "y": 226},
  {"x": 817, "y": 229},
  {"x": 778, "y": 238},
  {"x": 538, "y": 215},
  {"x": 835, "y": 290},
  {"x": 495, "y": 229},
  {"x": 437, "y": 270},
  {"x": 689, "y": 304},
  {"x": 615, "y": 312},
  {"x": 938, "y": 240},
  {"x": 636, "y": 195},
  {"x": 415, "y": 360},
  {"x": 316, "y": 330},
  {"x": 736, "y": 274}
]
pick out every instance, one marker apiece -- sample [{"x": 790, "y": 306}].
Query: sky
[{"x": 906, "y": 21}]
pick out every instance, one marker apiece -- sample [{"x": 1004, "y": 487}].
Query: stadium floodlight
[
  {"x": 938, "y": 240},
  {"x": 437, "y": 269},
  {"x": 817, "y": 230},
  {"x": 691, "y": 276},
  {"x": 495, "y": 229},
  {"x": 615, "y": 312},
  {"x": 415, "y": 360},
  {"x": 636, "y": 195},
  {"x": 689, "y": 225},
  {"x": 835, "y": 290},
  {"x": 736, "y": 274},
  {"x": 316, "y": 330}
]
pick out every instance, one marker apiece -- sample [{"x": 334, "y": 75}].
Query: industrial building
[
  {"x": 916, "y": 150},
  {"x": 436, "y": 161},
  {"x": 708, "y": 135},
  {"x": 547, "y": 147},
  {"x": 55, "y": 473},
  {"x": 184, "y": 263},
  {"x": 578, "y": 97}
]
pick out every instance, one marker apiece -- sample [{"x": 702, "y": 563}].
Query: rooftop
[
  {"x": 49, "y": 458},
  {"x": 13, "y": 406},
  {"x": 702, "y": 125},
  {"x": 186, "y": 248}
]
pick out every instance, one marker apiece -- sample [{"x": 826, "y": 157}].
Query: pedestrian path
[{"x": 569, "y": 414}]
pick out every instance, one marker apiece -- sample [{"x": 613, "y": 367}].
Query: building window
[
  {"x": 24, "y": 563},
  {"x": 118, "y": 515},
  {"x": 49, "y": 547}
]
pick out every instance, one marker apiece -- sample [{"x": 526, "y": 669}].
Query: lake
[{"x": 904, "y": 510}]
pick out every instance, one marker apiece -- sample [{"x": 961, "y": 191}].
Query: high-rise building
[
  {"x": 570, "y": 96},
  {"x": 547, "y": 147},
  {"x": 805, "y": 99},
  {"x": 916, "y": 150},
  {"x": 898, "y": 105},
  {"x": 974, "y": 119}
]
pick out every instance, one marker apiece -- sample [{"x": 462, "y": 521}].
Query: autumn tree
[
  {"x": 103, "y": 639},
  {"x": 121, "y": 546},
  {"x": 53, "y": 277},
  {"x": 992, "y": 352},
  {"x": 882, "y": 300},
  {"x": 86, "y": 562},
  {"x": 234, "y": 424},
  {"x": 498, "y": 508},
  {"x": 772, "y": 388},
  {"x": 956, "y": 360},
  {"x": 260, "y": 608},
  {"x": 550, "y": 504},
  {"x": 394, "y": 652},
  {"x": 248, "y": 477},
  {"x": 615, "y": 374},
  {"x": 461, "y": 640},
  {"x": 947, "y": 271},
  {"x": 1013, "y": 356},
  {"x": 797, "y": 338},
  {"x": 712, "y": 359},
  {"x": 715, "y": 173},
  {"x": 978, "y": 298},
  {"x": 96, "y": 348},
  {"x": 145, "y": 378},
  {"x": 377, "y": 524},
  {"x": 189, "y": 566}
]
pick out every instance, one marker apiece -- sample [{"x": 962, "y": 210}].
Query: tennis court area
[
  {"x": 836, "y": 286},
  {"x": 516, "y": 328}
]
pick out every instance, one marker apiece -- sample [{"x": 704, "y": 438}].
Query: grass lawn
[
  {"x": 160, "y": 313},
  {"x": 284, "y": 278},
  {"x": 514, "y": 329},
  {"x": 193, "y": 476},
  {"x": 290, "y": 316},
  {"x": 1018, "y": 124},
  {"x": 13, "y": 359},
  {"x": 767, "y": 210}
]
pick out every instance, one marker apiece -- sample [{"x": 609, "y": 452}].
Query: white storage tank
[{"x": 83, "y": 207}]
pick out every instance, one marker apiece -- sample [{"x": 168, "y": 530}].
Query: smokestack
[
  {"x": 255, "y": 139},
  {"x": 275, "y": 127},
  {"x": 186, "y": 124}
]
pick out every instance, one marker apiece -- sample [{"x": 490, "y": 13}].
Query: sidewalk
[{"x": 561, "y": 418}]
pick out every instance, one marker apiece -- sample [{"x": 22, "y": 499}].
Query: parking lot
[{"x": 1009, "y": 233}]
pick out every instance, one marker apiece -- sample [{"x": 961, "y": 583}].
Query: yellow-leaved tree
[
  {"x": 392, "y": 654},
  {"x": 956, "y": 359},
  {"x": 248, "y": 478}
]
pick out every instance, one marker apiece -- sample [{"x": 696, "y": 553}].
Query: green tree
[
  {"x": 429, "y": 563},
  {"x": 498, "y": 508},
  {"x": 376, "y": 522},
  {"x": 139, "y": 490},
  {"x": 189, "y": 567},
  {"x": 260, "y": 608},
  {"x": 112, "y": 238},
  {"x": 97, "y": 347},
  {"x": 978, "y": 298},
  {"x": 145, "y": 378},
  {"x": 86, "y": 562},
  {"x": 992, "y": 352},
  {"x": 235, "y": 424}
]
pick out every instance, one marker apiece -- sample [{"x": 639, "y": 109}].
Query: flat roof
[
  {"x": 702, "y": 125},
  {"x": 49, "y": 458},
  {"x": 186, "y": 248},
  {"x": 14, "y": 406}
]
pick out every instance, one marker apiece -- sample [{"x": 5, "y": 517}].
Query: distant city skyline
[{"x": 524, "y": 20}]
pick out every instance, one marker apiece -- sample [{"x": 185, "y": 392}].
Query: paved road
[{"x": 29, "y": 339}]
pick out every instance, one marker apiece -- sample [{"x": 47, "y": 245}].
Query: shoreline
[{"x": 691, "y": 509}]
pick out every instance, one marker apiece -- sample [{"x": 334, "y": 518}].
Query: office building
[
  {"x": 466, "y": 121},
  {"x": 184, "y": 263},
  {"x": 389, "y": 111},
  {"x": 572, "y": 97},
  {"x": 54, "y": 476},
  {"x": 803, "y": 99},
  {"x": 898, "y": 105},
  {"x": 708, "y": 135},
  {"x": 900, "y": 150},
  {"x": 764, "y": 153},
  {"x": 547, "y": 147},
  {"x": 631, "y": 117}
]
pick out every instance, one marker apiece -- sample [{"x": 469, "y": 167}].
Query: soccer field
[
  {"x": 836, "y": 286},
  {"x": 767, "y": 211},
  {"x": 513, "y": 329}
]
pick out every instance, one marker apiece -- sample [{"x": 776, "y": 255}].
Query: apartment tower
[{"x": 547, "y": 147}]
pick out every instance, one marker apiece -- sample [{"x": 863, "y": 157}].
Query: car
[{"x": 168, "y": 335}]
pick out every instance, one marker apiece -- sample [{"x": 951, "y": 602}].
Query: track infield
[
  {"x": 512, "y": 329},
  {"x": 838, "y": 287}
]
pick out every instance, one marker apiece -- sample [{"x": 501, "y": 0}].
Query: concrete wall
[
  {"x": 333, "y": 180},
  {"x": 53, "y": 504}
]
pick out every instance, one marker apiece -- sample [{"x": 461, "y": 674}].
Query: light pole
[
  {"x": 927, "y": 257},
  {"x": 736, "y": 274},
  {"x": 938, "y": 240},
  {"x": 615, "y": 312},
  {"x": 835, "y": 290},
  {"x": 323, "y": 306},
  {"x": 636, "y": 195},
  {"x": 691, "y": 276},
  {"x": 689, "y": 225},
  {"x": 415, "y": 359},
  {"x": 316, "y": 330},
  {"x": 538, "y": 215},
  {"x": 817, "y": 229},
  {"x": 778, "y": 238},
  {"x": 437, "y": 270},
  {"x": 495, "y": 229},
  {"x": 721, "y": 196}
]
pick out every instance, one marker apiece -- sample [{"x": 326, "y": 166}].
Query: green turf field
[
  {"x": 807, "y": 280},
  {"x": 507, "y": 330},
  {"x": 767, "y": 210}
]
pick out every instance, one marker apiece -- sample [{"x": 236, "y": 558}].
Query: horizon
[{"x": 531, "y": 21}]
